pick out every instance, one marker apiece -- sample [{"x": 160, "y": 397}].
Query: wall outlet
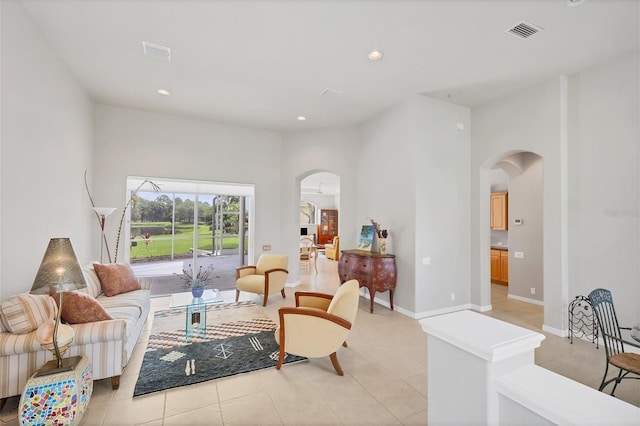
[
  {"x": 426, "y": 261},
  {"x": 453, "y": 297},
  {"x": 266, "y": 247},
  {"x": 519, "y": 255},
  {"x": 533, "y": 290}
]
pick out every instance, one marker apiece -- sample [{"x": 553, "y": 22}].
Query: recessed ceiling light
[
  {"x": 301, "y": 118},
  {"x": 375, "y": 55},
  {"x": 163, "y": 92}
]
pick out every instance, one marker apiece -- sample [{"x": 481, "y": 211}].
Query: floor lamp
[{"x": 102, "y": 213}]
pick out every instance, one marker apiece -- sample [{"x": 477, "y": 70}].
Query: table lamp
[{"x": 59, "y": 271}]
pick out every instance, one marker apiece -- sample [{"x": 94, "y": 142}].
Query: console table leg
[
  {"x": 391, "y": 298},
  {"x": 372, "y": 294}
]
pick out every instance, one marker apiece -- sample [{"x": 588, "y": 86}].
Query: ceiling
[{"x": 263, "y": 63}]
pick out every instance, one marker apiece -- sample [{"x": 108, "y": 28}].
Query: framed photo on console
[{"x": 366, "y": 238}]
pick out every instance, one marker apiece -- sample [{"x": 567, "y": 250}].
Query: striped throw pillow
[{"x": 26, "y": 312}]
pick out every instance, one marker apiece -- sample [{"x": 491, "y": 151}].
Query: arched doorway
[
  {"x": 518, "y": 177},
  {"x": 319, "y": 207}
]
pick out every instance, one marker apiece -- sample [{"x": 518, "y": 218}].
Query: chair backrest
[
  {"x": 607, "y": 319},
  {"x": 306, "y": 242},
  {"x": 345, "y": 302},
  {"x": 305, "y": 246},
  {"x": 336, "y": 243},
  {"x": 271, "y": 261}
]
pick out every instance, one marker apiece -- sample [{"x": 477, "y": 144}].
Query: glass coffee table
[{"x": 196, "y": 310}]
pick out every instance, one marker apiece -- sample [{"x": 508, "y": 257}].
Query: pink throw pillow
[
  {"x": 116, "y": 278},
  {"x": 80, "y": 308}
]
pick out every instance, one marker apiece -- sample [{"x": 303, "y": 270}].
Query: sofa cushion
[
  {"x": 80, "y": 308},
  {"x": 116, "y": 278},
  {"x": 94, "y": 288},
  {"x": 26, "y": 312},
  {"x": 138, "y": 299}
]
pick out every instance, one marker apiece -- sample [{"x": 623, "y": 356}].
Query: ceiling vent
[
  {"x": 156, "y": 51},
  {"x": 524, "y": 29}
]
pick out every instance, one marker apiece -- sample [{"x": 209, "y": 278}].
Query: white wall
[
  {"x": 414, "y": 181},
  {"x": 307, "y": 152},
  {"x": 525, "y": 202},
  {"x": 529, "y": 120},
  {"x": 46, "y": 144},
  {"x": 136, "y": 143},
  {"x": 387, "y": 191},
  {"x": 442, "y": 221},
  {"x": 586, "y": 130},
  {"x": 604, "y": 183}
]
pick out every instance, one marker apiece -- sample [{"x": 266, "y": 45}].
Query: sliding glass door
[{"x": 171, "y": 225}]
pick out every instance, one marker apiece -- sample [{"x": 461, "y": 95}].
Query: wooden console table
[{"x": 375, "y": 271}]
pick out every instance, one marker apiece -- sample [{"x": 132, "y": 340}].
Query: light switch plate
[{"x": 519, "y": 255}]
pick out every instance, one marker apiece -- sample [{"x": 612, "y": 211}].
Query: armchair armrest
[
  {"x": 245, "y": 270},
  {"x": 311, "y": 332},
  {"x": 313, "y": 300},
  {"x": 275, "y": 277}
]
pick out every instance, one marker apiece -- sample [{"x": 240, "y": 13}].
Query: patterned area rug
[{"x": 238, "y": 339}]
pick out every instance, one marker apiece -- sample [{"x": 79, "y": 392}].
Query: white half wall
[{"x": 46, "y": 144}]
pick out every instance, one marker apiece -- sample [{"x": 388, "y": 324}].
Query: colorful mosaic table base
[{"x": 57, "y": 399}]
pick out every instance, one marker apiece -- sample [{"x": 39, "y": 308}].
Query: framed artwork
[{"x": 366, "y": 238}]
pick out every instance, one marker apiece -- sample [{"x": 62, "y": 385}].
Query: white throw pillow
[{"x": 24, "y": 313}]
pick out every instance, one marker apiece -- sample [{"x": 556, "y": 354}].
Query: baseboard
[
  {"x": 482, "y": 308},
  {"x": 525, "y": 299},
  {"x": 555, "y": 331}
]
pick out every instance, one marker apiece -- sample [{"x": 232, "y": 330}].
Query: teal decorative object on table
[
  {"x": 198, "y": 281},
  {"x": 197, "y": 288}
]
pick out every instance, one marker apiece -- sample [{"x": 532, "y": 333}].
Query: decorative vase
[
  {"x": 382, "y": 245},
  {"x": 197, "y": 288}
]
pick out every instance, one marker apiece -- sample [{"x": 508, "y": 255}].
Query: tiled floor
[{"x": 384, "y": 383}]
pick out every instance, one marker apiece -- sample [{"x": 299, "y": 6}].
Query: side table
[
  {"x": 57, "y": 398},
  {"x": 375, "y": 271}
]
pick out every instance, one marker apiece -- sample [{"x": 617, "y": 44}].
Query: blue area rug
[{"x": 232, "y": 345}]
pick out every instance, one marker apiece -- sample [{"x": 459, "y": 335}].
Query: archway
[
  {"x": 319, "y": 206},
  {"x": 520, "y": 176}
]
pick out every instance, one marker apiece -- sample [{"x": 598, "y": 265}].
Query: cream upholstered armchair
[
  {"x": 319, "y": 324},
  {"x": 332, "y": 251},
  {"x": 267, "y": 277}
]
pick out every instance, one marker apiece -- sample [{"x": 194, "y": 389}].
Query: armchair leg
[
  {"x": 280, "y": 359},
  {"x": 344, "y": 343},
  {"x": 336, "y": 364},
  {"x": 237, "y": 294},
  {"x": 266, "y": 298},
  {"x": 284, "y": 296}
]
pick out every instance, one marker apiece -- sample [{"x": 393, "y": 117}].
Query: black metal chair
[{"x": 626, "y": 362}]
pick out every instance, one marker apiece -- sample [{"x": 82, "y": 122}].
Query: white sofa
[{"x": 108, "y": 344}]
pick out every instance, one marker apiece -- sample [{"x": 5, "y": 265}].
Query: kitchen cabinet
[
  {"x": 328, "y": 227},
  {"x": 499, "y": 211},
  {"x": 500, "y": 266}
]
